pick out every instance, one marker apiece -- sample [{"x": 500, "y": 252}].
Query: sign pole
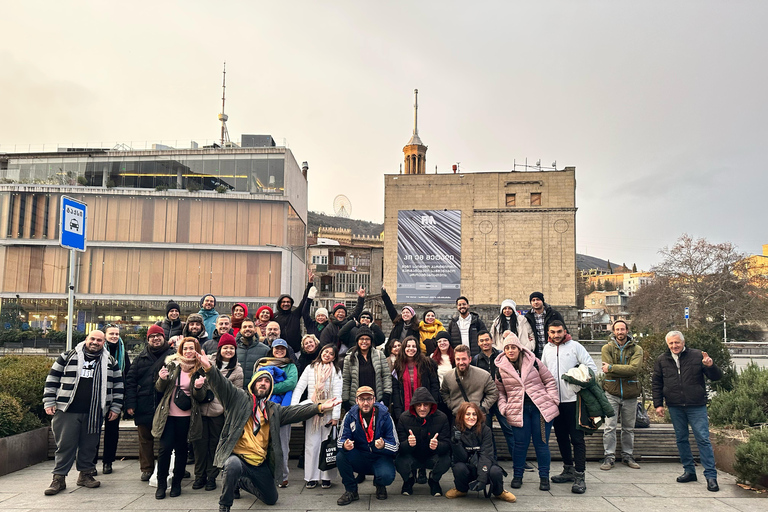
[
  {"x": 74, "y": 214},
  {"x": 71, "y": 298}
]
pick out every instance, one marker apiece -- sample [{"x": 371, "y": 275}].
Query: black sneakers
[{"x": 381, "y": 492}]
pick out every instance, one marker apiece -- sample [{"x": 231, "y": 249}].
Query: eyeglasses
[
  {"x": 155, "y": 336},
  {"x": 366, "y": 398}
]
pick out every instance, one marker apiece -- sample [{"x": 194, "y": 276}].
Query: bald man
[{"x": 85, "y": 384}]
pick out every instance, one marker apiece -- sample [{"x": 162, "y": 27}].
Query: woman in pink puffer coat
[{"x": 529, "y": 401}]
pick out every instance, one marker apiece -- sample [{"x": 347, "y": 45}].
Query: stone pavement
[{"x": 650, "y": 488}]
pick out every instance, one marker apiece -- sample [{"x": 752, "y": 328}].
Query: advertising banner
[{"x": 428, "y": 256}]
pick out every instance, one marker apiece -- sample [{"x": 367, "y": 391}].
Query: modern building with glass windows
[{"x": 162, "y": 224}]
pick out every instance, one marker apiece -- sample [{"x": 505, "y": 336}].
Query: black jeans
[
  {"x": 257, "y": 480},
  {"x": 464, "y": 473},
  {"x": 567, "y": 434},
  {"x": 111, "y": 436},
  {"x": 405, "y": 463},
  {"x": 174, "y": 439},
  {"x": 205, "y": 447}
]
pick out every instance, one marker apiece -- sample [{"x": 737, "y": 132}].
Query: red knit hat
[
  {"x": 267, "y": 308},
  {"x": 155, "y": 329},
  {"x": 227, "y": 339}
]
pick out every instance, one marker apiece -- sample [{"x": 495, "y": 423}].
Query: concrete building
[
  {"x": 628, "y": 282},
  {"x": 516, "y": 233},
  {"x": 162, "y": 224}
]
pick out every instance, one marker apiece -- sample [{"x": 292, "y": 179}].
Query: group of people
[{"x": 419, "y": 403}]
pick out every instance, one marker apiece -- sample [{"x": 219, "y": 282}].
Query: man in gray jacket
[
  {"x": 468, "y": 384},
  {"x": 250, "y": 445}
]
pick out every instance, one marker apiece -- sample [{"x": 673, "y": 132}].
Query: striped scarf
[{"x": 95, "y": 410}]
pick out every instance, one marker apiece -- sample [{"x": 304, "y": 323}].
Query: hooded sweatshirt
[
  {"x": 424, "y": 429},
  {"x": 235, "y": 322},
  {"x": 209, "y": 316},
  {"x": 290, "y": 320}
]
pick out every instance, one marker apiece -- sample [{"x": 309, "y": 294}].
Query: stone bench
[{"x": 655, "y": 442}]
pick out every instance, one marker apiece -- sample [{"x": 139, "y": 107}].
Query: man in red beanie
[{"x": 141, "y": 399}]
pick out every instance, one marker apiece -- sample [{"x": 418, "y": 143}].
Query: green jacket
[
  {"x": 591, "y": 404},
  {"x": 238, "y": 407},
  {"x": 167, "y": 388},
  {"x": 622, "y": 378}
]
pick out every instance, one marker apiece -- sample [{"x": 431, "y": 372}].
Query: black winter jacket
[
  {"x": 290, "y": 321},
  {"x": 248, "y": 355},
  {"x": 425, "y": 429},
  {"x": 330, "y": 333},
  {"x": 348, "y": 334},
  {"x": 476, "y": 325},
  {"x": 400, "y": 330},
  {"x": 550, "y": 315},
  {"x": 428, "y": 381},
  {"x": 140, "y": 393},
  {"x": 310, "y": 325},
  {"x": 474, "y": 450},
  {"x": 686, "y": 386},
  {"x": 171, "y": 329},
  {"x": 487, "y": 363}
]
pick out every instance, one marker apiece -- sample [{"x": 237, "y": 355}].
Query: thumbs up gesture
[
  {"x": 411, "y": 439},
  {"x": 433, "y": 443},
  {"x": 706, "y": 360}
]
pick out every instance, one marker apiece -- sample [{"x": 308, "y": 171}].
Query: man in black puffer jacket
[
  {"x": 678, "y": 380},
  {"x": 289, "y": 317},
  {"x": 171, "y": 324},
  {"x": 141, "y": 398},
  {"x": 425, "y": 442},
  {"x": 464, "y": 327}
]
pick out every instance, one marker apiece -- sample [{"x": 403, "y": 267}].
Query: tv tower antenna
[{"x": 223, "y": 117}]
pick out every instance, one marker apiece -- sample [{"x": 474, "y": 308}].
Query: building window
[
  {"x": 339, "y": 260},
  {"x": 510, "y": 200},
  {"x": 535, "y": 198},
  {"x": 320, "y": 260},
  {"x": 349, "y": 282}
]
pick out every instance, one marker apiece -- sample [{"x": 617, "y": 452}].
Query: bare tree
[{"x": 709, "y": 278}]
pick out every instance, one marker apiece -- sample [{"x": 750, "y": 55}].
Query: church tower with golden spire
[{"x": 415, "y": 151}]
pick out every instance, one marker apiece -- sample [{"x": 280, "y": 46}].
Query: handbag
[
  {"x": 328, "y": 450},
  {"x": 180, "y": 398},
  {"x": 641, "y": 418}
]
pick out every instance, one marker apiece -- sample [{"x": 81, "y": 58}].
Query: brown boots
[
  {"x": 86, "y": 480},
  {"x": 57, "y": 485}
]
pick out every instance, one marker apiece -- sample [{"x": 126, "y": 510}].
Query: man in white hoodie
[{"x": 559, "y": 355}]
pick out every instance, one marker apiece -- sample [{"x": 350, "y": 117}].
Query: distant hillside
[
  {"x": 584, "y": 262},
  {"x": 358, "y": 227}
]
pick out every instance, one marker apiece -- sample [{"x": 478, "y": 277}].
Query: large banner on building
[{"x": 428, "y": 256}]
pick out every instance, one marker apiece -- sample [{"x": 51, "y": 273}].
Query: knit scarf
[
  {"x": 258, "y": 413},
  {"x": 409, "y": 385},
  {"x": 261, "y": 327},
  {"x": 96, "y": 409},
  {"x": 118, "y": 353},
  {"x": 321, "y": 392}
]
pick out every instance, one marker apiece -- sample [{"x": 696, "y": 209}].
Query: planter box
[
  {"x": 22, "y": 450},
  {"x": 725, "y": 450}
]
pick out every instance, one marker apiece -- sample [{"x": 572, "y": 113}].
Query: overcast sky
[{"x": 658, "y": 105}]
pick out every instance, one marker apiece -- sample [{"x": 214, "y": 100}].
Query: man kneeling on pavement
[
  {"x": 367, "y": 445},
  {"x": 251, "y": 433},
  {"x": 426, "y": 443}
]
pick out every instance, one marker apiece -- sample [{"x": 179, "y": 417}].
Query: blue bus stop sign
[
  {"x": 687, "y": 313},
  {"x": 72, "y": 228}
]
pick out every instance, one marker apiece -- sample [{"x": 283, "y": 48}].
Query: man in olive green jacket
[
  {"x": 251, "y": 433},
  {"x": 622, "y": 358}
]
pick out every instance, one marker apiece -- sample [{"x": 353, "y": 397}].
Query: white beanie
[
  {"x": 508, "y": 303},
  {"x": 321, "y": 311}
]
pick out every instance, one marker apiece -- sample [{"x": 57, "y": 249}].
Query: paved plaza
[{"x": 650, "y": 488}]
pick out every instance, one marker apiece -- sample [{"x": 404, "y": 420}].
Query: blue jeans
[
  {"x": 364, "y": 463},
  {"x": 532, "y": 429},
  {"x": 506, "y": 429},
  {"x": 696, "y": 417}
]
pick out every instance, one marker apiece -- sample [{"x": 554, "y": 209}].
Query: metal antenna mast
[{"x": 223, "y": 117}]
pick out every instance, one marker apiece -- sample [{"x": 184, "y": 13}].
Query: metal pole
[{"x": 70, "y": 298}]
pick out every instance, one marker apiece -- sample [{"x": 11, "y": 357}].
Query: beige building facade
[{"x": 518, "y": 230}]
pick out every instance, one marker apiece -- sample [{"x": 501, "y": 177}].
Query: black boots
[{"x": 565, "y": 476}]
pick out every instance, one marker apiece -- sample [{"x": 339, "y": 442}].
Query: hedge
[{"x": 22, "y": 379}]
